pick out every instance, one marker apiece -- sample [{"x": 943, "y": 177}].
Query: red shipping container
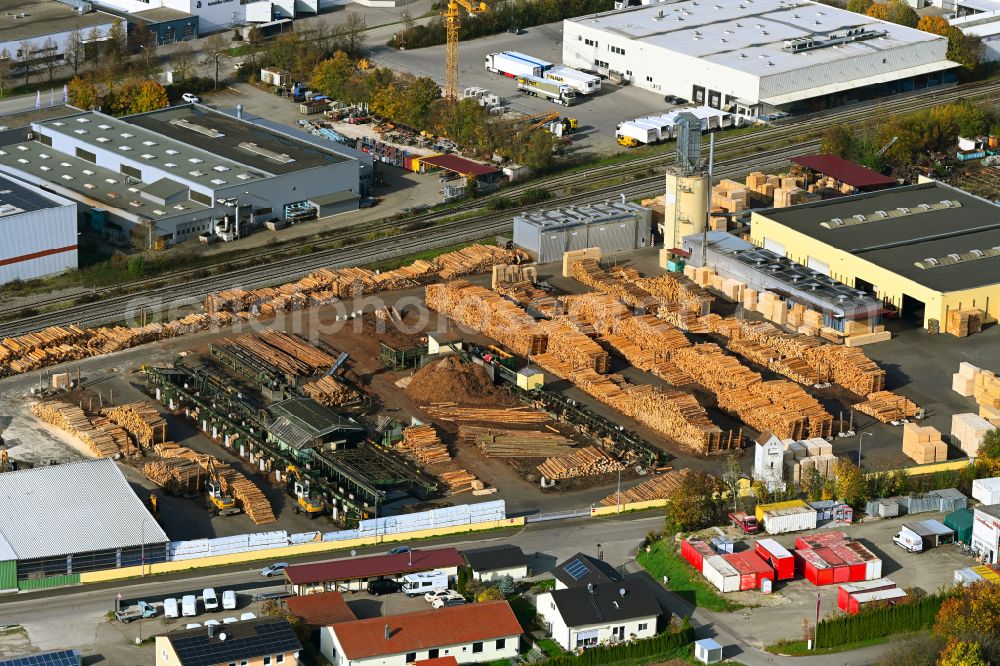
[
  {"x": 695, "y": 551},
  {"x": 845, "y": 591},
  {"x": 778, "y": 556},
  {"x": 824, "y": 540},
  {"x": 753, "y": 570},
  {"x": 858, "y": 602}
]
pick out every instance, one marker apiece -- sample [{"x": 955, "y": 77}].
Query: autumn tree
[
  {"x": 692, "y": 507},
  {"x": 92, "y": 47},
  {"x": 138, "y": 96},
  {"x": 75, "y": 52},
  {"x": 933, "y": 24},
  {"x": 216, "y": 52},
  {"x": 850, "y": 482},
  {"x": 989, "y": 453},
  {"x": 878, "y": 10},
  {"x": 901, "y": 13},
  {"x": 732, "y": 472},
  {"x": 353, "y": 31},
  {"x": 972, "y": 616},
  {"x": 6, "y": 69},
  {"x": 254, "y": 43},
  {"x": 143, "y": 45},
  {"x": 182, "y": 61},
  {"x": 116, "y": 43},
  {"x": 962, "y": 653},
  {"x": 83, "y": 93},
  {"x": 967, "y": 50},
  {"x": 491, "y": 593},
  {"x": 26, "y": 59},
  {"x": 859, "y": 6}
]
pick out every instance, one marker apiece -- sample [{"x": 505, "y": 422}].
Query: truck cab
[{"x": 745, "y": 523}]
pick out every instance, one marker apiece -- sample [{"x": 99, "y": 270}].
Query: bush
[
  {"x": 916, "y": 615},
  {"x": 499, "y": 203},
  {"x": 608, "y": 654},
  {"x": 535, "y": 195},
  {"x": 507, "y": 586},
  {"x": 490, "y": 594}
]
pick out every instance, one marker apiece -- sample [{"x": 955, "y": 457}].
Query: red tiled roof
[
  {"x": 320, "y": 610},
  {"x": 843, "y": 170},
  {"x": 437, "y": 661},
  {"x": 425, "y": 630},
  {"x": 373, "y": 566},
  {"x": 459, "y": 165}
]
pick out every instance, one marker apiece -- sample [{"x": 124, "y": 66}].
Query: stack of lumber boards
[
  {"x": 923, "y": 444},
  {"x": 141, "y": 420},
  {"x": 661, "y": 487},
  {"x": 330, "y": 392},
  {"x": 969, "y": 430},
  {"x": 449, "y": 411},
  {"x": 962, "y": 323},
  {"x": 567, "y": 344},
  {"x": 295, "y": 346},
  {"x": 102, "y": 441},
  {"x": 423, "y": 443},
  {"x": 886, "y": 406},
  {"x": 588, "y": 461},
  {"x": 509, "y": 443},
  {"x": 488, "y": 313},
  {"x": 963, "y": 382},
  {"x": 983, "y": 385},
  {"x": 460, "y": 481}
]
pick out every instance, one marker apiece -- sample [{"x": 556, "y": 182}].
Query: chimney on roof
[
  {"x": 590, "y": 588},
  {"x": 387, "y": 632},
  {"x": 621, "y": 591}
]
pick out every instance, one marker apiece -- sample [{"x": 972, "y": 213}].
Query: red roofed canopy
[
  {"x": 845, "y": 171},
  {"x": 459, "y": 165}
]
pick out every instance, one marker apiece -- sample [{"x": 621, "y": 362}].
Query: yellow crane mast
[{"x": 452, "y": 24}]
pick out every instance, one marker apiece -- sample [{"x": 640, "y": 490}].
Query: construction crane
[
  {"x": 452, "y": 23},
  {"x": 219, "y": 504},
  {"x": 300, "y": 489}
]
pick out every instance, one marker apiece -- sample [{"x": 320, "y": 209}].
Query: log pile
[
  {"x": 254, "y": 502},
  {"x": 293, "y": 345},
  {"x": 330, "y": 392},
  {"x": 103, "y": 441},
  {"x": 886, "y": 406},
  {"x": 618, "y": 282},
  {"x": 588, "y": 461},
  {"x": 141, "y": 420},
  {"x": 569, "y": 345},
  {"x": 423, "y": 443},
  {"x": 508, "y": 443},
  {"x": 256, "y": 347},
  {"x": 488, "y": 313},
  {"x": 796, "y": 369},
  {"x": 513, "y": 273},
  {"x": 446, "y": 411},
  {"x": 531, "y": 298},
  {"x": 660, "y": 487},
  {"x": 460, "y": 481},
  {"x": 674, "y": 288}
]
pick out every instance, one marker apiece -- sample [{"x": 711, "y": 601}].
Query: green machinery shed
[{"x": 961, "y": 522}]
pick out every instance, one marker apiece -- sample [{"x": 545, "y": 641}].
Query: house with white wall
[
  {"x": 614, "y": 612},
  {"x": 581, "y": 570},
  {"x": 494, "y": 562}
]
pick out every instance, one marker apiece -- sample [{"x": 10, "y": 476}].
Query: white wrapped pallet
[
  {"x": 986, "y": 491},
  {"x": 721, "y": 574}
]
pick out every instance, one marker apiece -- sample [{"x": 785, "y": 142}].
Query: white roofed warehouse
[
  {"x": 64, "y": 520},
  {"x": 756, "y": 56}
]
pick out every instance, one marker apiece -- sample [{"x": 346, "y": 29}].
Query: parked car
[
  {"x": 265, "y": 596},
  {"x": 228, "y": 600},
  {"x": 670, "y": 99},
  {"x": 273, "y": 569},
  {"x": 190, "y": 98},
  {"x": 368, "y": 202},
  {"x": 171, "y": 609},
  {"x": 382, "y": 586},
  {"x": 439, "y": 594},
  {"x": 399, "y": 550},
  {"x": 453, "y": 600},
  {"x": 229, "y": 620},
  {"x": 209, "y": 599},
  {"x": 189, "y": 605}
]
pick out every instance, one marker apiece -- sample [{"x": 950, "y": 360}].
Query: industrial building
[
  {"x": 38, "y": 21},
  {"x": 93, "y": 520},
  {"x": 765, "y": 270},
  {"x": 924, "y": 249},
  {"x": 37, "y": 232},
  {"x": 173, "y": 175},
  {"x": 611, "y": 226},
  {"x": 756, "y": 57}
]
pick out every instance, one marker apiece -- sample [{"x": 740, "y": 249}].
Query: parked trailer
[
  {"x": 695, "y": 551},
  {"x": 637, "y": 131},
  {"x": 778, "y": 556},
  {"x": 550, "y": 90},
  {"x": 513, "y": 64},
  {"x": 721, "y": 574},
  {"x": 583, "y": 83}
]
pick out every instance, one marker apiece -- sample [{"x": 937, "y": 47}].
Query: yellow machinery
[
  {"x": 628, "y": 141},
  {"x": 300, "y": 489},
  {"x": 452, "y": 24},
  {"x": 218, "y": 503},
  {"x": 154, "y": 505}
]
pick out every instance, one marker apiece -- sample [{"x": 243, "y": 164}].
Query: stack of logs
[
  {"x": 660, "y": 487},
  {"x": 141, "y": 420},
  {"x": 588, "y": 461},
  {"x": 508, "y": 443},
  {"x": 574, "y": 348},
  {"x": 330, "y": 392},
  {"x": 886, "y": 406},
  {"x": 312, "y": 356},
  {"x": 286, "y": 363},
  {"x": 449, "y": 411},
  {"x": 423, "y": 443},
  {"x": 617, "y": 282},
  {"x": 460, "y": 481},
  {"x": 103, "y": 438}
]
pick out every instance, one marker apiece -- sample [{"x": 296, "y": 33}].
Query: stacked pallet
[
  {"x": 986, "y": 389},
  {"x": 460, "y": 481},
  {"x": 588, "y": 461},
  {"x": 295, "y": 346},
  {"x": 330, "y": 392},
  {"x": 660, "y": 487},
  {"x": 508, "y": 443},
  {"x": 566, "y": 343},
  {"x": 449, "y": 411},
  {"x": 962, "y": 323},
  {"x": 487, "y": 312},
  {"x": 423, "y": 443},
  {"x": 886, "y": 406},
  {"x": 963, "y": 382},
  {"x": 969, "y": 430},
  {"x": 923, "y": 445},
  {"x": 141, "y": 420}
]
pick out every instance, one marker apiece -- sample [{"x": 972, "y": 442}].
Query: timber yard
[{"x": 352, "y": 335}]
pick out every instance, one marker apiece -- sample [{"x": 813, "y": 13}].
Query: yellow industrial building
[{"x": 926, "y": 249}]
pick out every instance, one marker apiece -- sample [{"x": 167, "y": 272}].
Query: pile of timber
[
  {"x": 104, "y": 440},
  {"x": 660, "y": 487},
  {"x": 295, "y": 346},
  {"x": 568, "y": 344},
  {"x": 509, "y": 443},
  {"x": 588, "y": 461},
  {"x": 141, "y": 420},
  {"x": 449, "y": 411},
  {"x": 460, "y": 481},
  {"x": 423, "y": 443},
  {"x": 513, "y": 273},
  {"x": 331, "y": 392},
  {"x": 488, "y": 313},
  {"x": 887, "y": 406},
  {"x": 253, "y": 501},
  {"x": 617, "y": 282},
  {"x": 676, "y": 289},
  {"x": 531, "y": 298},
  {"x": 796, "y": 369},
  {"x": 20, "y": 346},
  {"x": 646, "y": 359},
  {"x": 473, "y": 259},
  {"x": 286, "y": 363}
]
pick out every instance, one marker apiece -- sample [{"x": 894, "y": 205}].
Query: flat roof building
[
  {"x": 926, "y": 249},
  {"x": 753, "y": 57},
  {"x": 37, "y": 232},
  {"x": 611, "y": 226},
  {"x": 36, "y": 21},
  {"x": 355, "y": 573}
]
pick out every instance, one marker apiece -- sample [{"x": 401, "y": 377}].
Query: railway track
[{"x": 330, "y": 248}]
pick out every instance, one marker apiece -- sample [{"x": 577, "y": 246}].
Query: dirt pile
[{"x": 451, "y": 380}]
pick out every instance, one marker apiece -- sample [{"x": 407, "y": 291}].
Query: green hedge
[
  {"x": 609, "y": 654},
  {"x": 878, "y": 622}
]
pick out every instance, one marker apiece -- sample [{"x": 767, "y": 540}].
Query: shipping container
[
  {"x": 845, "y": 591},
  {"x": 695, "y": 551},
  {"x": 583, "y": 83},
  {"x": 951, "y": 499},
  {"x": 752, "y": 568},
  {"x": 986, "y": 491},
  {"x": 722, "y": 545},
  {"x": 778, "y": 556},
  {"x": 858, "y": 602},
  {"x": 761, "y": 508},
  {"x": 823, "y": 540},
  {"x": 721, "y": 574},
  {"x": 790, "y": 519}
]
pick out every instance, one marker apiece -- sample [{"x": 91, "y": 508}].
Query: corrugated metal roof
[
  {"x": 843, "y": 170},
  {"x": 459, "y": 165},
  {"x": 73, "y": 508}
]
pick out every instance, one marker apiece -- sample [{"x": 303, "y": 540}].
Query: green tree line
[{"x": 915, "y": 615}]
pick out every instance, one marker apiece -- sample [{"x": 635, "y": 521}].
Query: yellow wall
[
  {"x": 633, "y": 506},
  {"x": 686, "y": 201},
  {"x": 845, "y": 267},
  {"x": 290, "y": 551}
]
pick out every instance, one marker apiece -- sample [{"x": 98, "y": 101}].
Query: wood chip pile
[
  {"x": 488, "y": 313},
  {"x": 453, "y": 381},
  {"x": 330, "y": 392},
  {"x": 664, "y": 486},
  {"x": 508, "y": 416},
  {"x": 103, "y": 439},
  {"x": 509, "y": 443},
  {"x": 886, "y": 406},
  {"x": 423, "y": 443},
  {"x": 588, "y": 461},
  {"x": 141, "y": 420}
]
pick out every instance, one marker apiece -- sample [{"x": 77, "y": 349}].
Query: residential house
[
  {"x": 582, "y": 570},
  {"x": 596, "y": 614},
  {"x": 265, "y": 641},
  {"x": 494, "y": 562}
]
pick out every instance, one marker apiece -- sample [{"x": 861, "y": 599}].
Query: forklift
[
  {"x": 299, "y": 489},
  {"x": 217, "y": 502}
]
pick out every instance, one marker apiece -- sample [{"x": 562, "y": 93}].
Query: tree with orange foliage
[
  {"x": 971, "y": 617},
  {"x": 933, "y": 24},
  {"x": 961, "y": 653},
  {"x": 83, "y": 93},
  {"x": 879, "y": 10}
]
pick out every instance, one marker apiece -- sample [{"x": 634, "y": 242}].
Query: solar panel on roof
[
  {"x": 577, "y": 569},
  {"x": 57, "y": 658}
]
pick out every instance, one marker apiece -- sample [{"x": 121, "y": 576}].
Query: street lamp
[{"x": 860, "y": 441}]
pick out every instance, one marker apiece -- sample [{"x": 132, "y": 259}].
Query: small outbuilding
[
  {"x": 961, "y": 522},
  {"x": 707, "y": 651},
  {"x": 494, "y": 562}
]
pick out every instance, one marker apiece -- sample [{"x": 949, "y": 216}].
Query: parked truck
[
  {"x": 746, "y": 524},
  {"x": 550, "y": 90},
  {"x": 142, "y": 610},
  {"x": 581, "y": 82},
  {"x": 513, "y": 64}
]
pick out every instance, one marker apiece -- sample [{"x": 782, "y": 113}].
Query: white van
[
  {"x": 909, "y": 540},
  {"x": 229, "y": 600},
  {"x": 209, "y": 599},
  {"x": 423, "y": 582},
  {"x": 189, "y": 605},
  {"x": 170, "y": 608}
]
